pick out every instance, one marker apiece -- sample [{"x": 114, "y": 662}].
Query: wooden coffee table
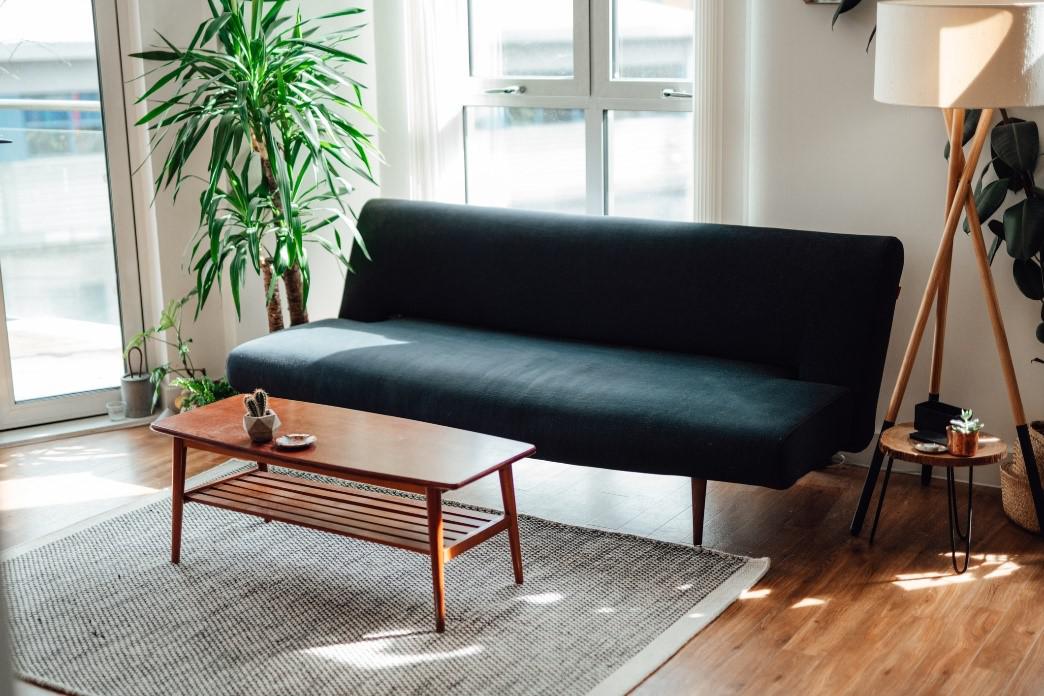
[{"x": 357, "y": 446}]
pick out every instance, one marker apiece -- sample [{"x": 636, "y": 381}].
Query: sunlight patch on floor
[
  {"x": 378, "y": 654},
  {"x": 809, "y": 602},
  {"x": 925, "y": 581},
  {"x": 543, "y": 598},
  {"x": 63, "y": 489},
  {"x": 756, "y": 594},
  {"x": 61, "y": 454}
]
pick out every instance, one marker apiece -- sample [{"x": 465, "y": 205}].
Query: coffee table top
[{"x": 353, "y": 442}]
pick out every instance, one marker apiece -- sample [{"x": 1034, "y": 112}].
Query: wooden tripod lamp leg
[
  {"x": 955, "y": 126},
  {"x": 1000, "y": 337},
  {"x": 930, "y": 293}
]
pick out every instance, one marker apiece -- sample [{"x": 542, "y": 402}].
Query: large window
[
  {"x": 69, "y": 290},
  {"x": 581, "y": 106}
]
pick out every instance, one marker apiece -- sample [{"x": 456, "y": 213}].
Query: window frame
[{"x": 593, "y": 90}]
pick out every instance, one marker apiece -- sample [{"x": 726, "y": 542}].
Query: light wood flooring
[{"x": 833, "y": 616}]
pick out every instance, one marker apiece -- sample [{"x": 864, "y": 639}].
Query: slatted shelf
[{"x": 362, "y": 514}]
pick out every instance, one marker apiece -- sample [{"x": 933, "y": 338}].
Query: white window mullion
[{"x": 597, "y": 164}]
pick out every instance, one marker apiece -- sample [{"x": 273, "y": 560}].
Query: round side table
[{"x": 896, "y": 444}]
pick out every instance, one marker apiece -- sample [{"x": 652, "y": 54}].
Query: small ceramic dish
[
  {"x": 930, "y": 448},
  {"x": 295, "y": 441}
]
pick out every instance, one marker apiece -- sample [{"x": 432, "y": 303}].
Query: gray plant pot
[
  {"x": 136, "y": 386},
  {"x": 261, "y": 429},
  {"x": 137, "y": 394}
]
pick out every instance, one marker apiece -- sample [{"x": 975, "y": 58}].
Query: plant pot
[
  {"x": 170, "y": 398},
  {"x": 962, "y": 444},
  {"x": 137, "y": 394},
  {"x": 261, "y": 429},
  {"x": 1015, "y": 490}
]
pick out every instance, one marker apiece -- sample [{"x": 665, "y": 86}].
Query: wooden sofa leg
[{"x": 699, "y": 503}]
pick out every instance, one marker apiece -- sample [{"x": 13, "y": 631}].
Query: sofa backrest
[{"x": 817, "y": 304}]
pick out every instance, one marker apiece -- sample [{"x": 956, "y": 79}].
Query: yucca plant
[{"x": 281, "y": 115}]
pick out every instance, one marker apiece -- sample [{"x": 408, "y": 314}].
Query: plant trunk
[
  {"x": 275, "y": 305},
  {"x": 295, "y": 299}
]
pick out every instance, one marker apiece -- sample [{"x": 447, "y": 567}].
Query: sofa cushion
[{"x": 580, "y": 403}]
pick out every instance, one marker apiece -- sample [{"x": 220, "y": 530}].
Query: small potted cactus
[
  {"x": 260, "y": 422},
  {"x": 962, "y": 435}
]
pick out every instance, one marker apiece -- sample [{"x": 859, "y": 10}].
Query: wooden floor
[{"x": 832, "y": 616}]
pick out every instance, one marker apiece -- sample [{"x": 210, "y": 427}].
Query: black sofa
[{"x": 715, "y": 352}]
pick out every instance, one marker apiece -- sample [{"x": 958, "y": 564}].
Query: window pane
[
  {"x": 526, "y": 158},
  {"x": 57, "y": 257},
  {"x": 650, "y": 164},
  {"x": 524, "y": 39},
  {"x": 653, "y": 39}
]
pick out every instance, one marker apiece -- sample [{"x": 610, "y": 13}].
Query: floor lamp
[{"x": 957, "y": 56}]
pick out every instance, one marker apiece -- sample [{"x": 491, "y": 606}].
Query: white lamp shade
[{"x": 978, "y": 54}]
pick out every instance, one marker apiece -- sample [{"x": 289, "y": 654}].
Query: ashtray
[
  {"x": 295, "y": 441},
  {"x": 929, "y": 447}
]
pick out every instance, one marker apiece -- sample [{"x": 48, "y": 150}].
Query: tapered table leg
[
  {"x": 438, "y": 556},
  {"x": 507, "y": 492},
  {"x": 177, "y": 498}
]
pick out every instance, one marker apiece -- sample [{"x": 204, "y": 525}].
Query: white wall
[
  {"x": 166, "y": 229},
  {"x": 825, "y": 156}
]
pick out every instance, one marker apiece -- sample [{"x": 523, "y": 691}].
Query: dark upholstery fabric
[
  {"x": 725, "y": 353},
  {"x": 817, "y": 306},
  {"x": 598, "y": 405}
]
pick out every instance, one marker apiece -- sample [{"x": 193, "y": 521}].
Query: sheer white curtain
[
  {"x": 709, "y": 108},
  {"x": 432, "y": 66}
]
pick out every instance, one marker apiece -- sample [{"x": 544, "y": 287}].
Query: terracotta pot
[{"x": 962, "y": 444}]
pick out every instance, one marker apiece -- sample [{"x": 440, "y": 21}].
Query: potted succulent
[
  {"x": 962, "y": 435},
  {"x": 260, "y": 422}
]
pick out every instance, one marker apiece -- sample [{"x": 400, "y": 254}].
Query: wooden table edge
[{"x": 273, "y": 456}]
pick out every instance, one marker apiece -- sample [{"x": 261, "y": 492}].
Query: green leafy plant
[
  {"x": 200, "y": 391},
  {"x": 1019, "y": 227},
  {"x": 170, "y": 321},
  {"x": 280, "y": 111},
  {"x": 967, "y": 423}
]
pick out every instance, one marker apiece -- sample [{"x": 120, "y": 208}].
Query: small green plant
[
  {"x": 170, "y": 321},
  {"x": 967, "y": 424},
  {"x": 257, "y": 403},
  {"x": 200, "y": 391}
]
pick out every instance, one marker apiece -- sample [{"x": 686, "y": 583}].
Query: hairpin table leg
[{"x": 955, "y": 522}]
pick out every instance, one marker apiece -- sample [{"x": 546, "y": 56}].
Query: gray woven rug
[{"x": 273, "y": 609}]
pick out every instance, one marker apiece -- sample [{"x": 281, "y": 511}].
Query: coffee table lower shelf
[{"x": 361, "y": 514}]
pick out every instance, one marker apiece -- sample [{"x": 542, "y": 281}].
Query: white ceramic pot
[
  {"x": 261, "y": 429},
  {"x": 170, "y": 398}
]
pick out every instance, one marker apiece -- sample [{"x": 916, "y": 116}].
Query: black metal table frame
[{"x": 951, "y": 508}]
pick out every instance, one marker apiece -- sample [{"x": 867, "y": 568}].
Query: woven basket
[{"x": 1015, "y": 490}]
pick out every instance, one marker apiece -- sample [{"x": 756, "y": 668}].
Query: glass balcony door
[{"x": 69, "y": 287}]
